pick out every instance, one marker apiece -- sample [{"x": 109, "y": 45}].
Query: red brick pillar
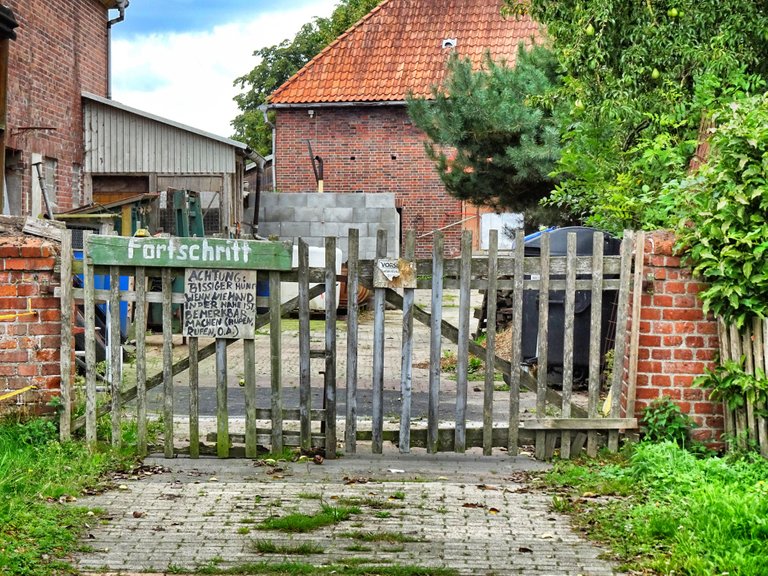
[
  {"x": 30, "y": 318},
  {"x": 677, "y": 341}
]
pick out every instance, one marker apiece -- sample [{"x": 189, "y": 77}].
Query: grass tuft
[{"x": 297, "y": 522}]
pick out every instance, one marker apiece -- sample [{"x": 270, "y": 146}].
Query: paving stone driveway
[{"x": 467, "y": 512}]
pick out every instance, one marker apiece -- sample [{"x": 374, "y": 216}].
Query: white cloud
[{"x": 187, "y": 77}]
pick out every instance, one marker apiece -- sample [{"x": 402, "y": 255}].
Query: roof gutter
[
  {"x": 264, "y": 108},
  {"x": 121, "y": 5},
  {"x": 378, "y": 103}
]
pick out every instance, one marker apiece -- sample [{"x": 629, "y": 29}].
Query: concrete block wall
[
  {"x": 369, "y": 150},
  {"x": 677, "y": 341},
  {"x": 30, "y": 343},
  {"x": 313, "y": 216},
  {"x": 61, "y": 51}
]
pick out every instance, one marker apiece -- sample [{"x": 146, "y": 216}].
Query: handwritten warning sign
[{"x": 220, "y": 303}]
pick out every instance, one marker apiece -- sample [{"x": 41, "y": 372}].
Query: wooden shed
[{"x": 130, "y": 152}]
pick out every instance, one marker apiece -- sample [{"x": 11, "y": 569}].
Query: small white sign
[{"x": 390, "y": 268}]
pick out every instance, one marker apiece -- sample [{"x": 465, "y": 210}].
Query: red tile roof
[{"x": 398, "y": 47}]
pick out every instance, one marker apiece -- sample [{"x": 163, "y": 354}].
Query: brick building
[
  {"x": 349, "y": 103},
  {"x": 62, "y": 50}
]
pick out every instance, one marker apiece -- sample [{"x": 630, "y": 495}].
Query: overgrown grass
[
  {"x": 381, "y": 536},
  {"x": 300, "y": 549},
  {"x": 298, "y": 522},
  {"x": 662, "y": 509},
  {"x": 38, "y": 476}
]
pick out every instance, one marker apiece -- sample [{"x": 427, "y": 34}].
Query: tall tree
[
  {"x": 492, "y": 136},
  {"x": 279, "y": 62},
  {"x": 643, "y": 78}
]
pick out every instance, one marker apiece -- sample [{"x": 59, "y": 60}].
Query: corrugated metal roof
[
  {"x": 399, "y": 48},
  {"x": 123, "y": 140}
]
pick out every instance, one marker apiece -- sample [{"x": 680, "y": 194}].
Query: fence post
[
  {"x": 543, "y": 350},
  {"x": 115, "y": 352},
  {"x": 330, "y": 347},
  {"x": 406, "y": 366},
  {"x": 353, "y": 282},
  {"x": 67, "y": 348},
  {"x": 275, "y": 335},
  {"x": 379, "y": 295},
  {"x": 435, "y": 343},
  {"x": 89, "y": 303},
  {"x": 490, "y": 341},
  {"x": 516, "y": 353},
  {"x": 462, "y": 354},
  {"x": 305, "y": 383},
  {"x": 595, "y": 336}
]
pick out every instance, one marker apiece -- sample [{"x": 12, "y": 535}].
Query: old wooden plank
[
  {"x": 186, "y": 252},
  {"x": 570, "y": 301},
  {"x": 490, "y": 342},
  {"x": 761, "y": 360},
  {"x": 620, "y": 346},
  {"x": 749, "y": 367},
  {"x": 379, "y": 294},
  {"x": 723, "y": 333},
  {"x": 462, "y": 352},
  {"x": 67, "y": 340},
  {"x": 353, "y": 283},
  {"x": 89, "y": 305},
  {"x": 543, "y": 347},
  {"x": 167, "y": 289},
  {"x": 435, "y": 323},
  {"x": 194, "y": 397},
  {"x": 205, "y": 352},
  {"x": 406, "y": 365},
  {"x": 515, "y": 374},
  {"x": 222, "y": 409},
  {"x": 580, "y": 424},
  {"x": 140, "y": 328},
  {"x": 531, "y": 266},
  {"x": 50, "y": 229},
  {"x": 595, "y": 336},
  {"x": 305, "y": 374},
  {"x": 329, "y": 377},
  {"x": 634, "y": 335},
  {"x": 249, "y": 369},
  {"x": 115, "y": 355},
  {"x": 275, "y": 361}
]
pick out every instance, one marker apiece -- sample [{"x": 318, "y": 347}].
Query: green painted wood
[{"x": 177, "y": 252}]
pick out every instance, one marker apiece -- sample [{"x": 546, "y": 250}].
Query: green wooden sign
[{"x": 177, "y": 252}]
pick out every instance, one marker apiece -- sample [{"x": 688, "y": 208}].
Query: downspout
[
  {"x": 264, "y": 108},
  {"x": 121, "y": 6},
  {"x": 259, "y": 160}
]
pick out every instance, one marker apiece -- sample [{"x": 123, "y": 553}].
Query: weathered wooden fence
[
  {"x": 393, "y": 282},
  {"x": 747, "y": 423}
]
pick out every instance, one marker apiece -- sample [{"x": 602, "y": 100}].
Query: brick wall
[
  {"x": 368, "y": 149},
  {"x": 30, "y": 344},
  {"x": 61, "y": 51},
  {"x": 677, "y": 342}
]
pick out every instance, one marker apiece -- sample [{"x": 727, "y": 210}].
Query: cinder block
[
  {"x": 351, "y": 200},
  {"x": 382, "y": 200},
  {"x": 295, "y": 229},
  {"x": 308, "y": 215},
  {"x": 367, "y": 248},
  {"x": 296, "y": 200},
  {"x": 320, "y": 201},
  {"x": 338, "y": 214},
  {"x": 280, "y": 214}
]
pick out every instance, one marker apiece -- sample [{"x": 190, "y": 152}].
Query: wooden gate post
[
  {"x": 435, "y": 343},
  {"x": 379, "y": 295},
  {"x": 353, "y": 282}
]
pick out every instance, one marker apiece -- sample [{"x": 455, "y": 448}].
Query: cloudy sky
[{"x": 179, "y": 58}]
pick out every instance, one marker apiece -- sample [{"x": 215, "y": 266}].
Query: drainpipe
[
  {"x": 263, "y": 108},
  {"x": 7, "y": 25},
  {"x": 121, "y": 6}
]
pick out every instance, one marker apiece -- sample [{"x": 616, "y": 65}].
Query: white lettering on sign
[
  {"x": 220, "y": 303},
  {"x": 232, "y": 251},
  {"x": 390, "y": 268}
]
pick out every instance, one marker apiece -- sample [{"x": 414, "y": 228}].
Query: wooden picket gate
[{"x": 394, "y": 282}]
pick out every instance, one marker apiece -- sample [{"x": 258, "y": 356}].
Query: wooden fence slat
[
  {"x": 729, "y": 416},
  {"x": 462, "y": 353},
  {"x": 746, "y": 344},
  {"x": 194, "y": 398},
  {"x": 406, "y": 366},
  {"x": 115, "y": 354},
  {"x": 167, "y": 289},
  {"x": 140, "y": 328},
  {"x": 353, "y": 284},
  {"x": 543, "y": 348},
  {"x": 204, "y": 352},
  {"x": 620, "y": 345},
  {"x": 275, "y": 357},
  {"x": 305, "y": 372},
  {"x": 595, "y": 336},
  {"x": 249, "y": 375},
  {"x": 222, "y": 411},
  {"x": 570, "y": 301},
  {"x": 517, "y": 338},
  {"x": 330, "y": 348},
  {"x": 634, "y": 335},
  {"x": 379, "y": 295},
  {"x": 435, "y": 342},
  {"x": 89, "y": 304},
  {"x": 67, "y": 341},
  {"x": 490, "y": 342},
  {"x": 760, "y": 331}
]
